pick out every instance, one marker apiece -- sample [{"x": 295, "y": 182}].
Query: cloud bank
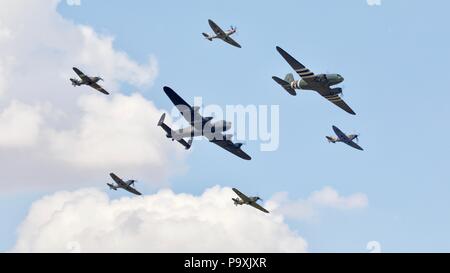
[{"x": 162, "y": 222}]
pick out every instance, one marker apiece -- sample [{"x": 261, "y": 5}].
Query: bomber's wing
[
  {"x": 80, "y": 74},
  {"x": 217, "y": 30},
  {"x": 231, "y": 147},
  {"x": 132, "y": 190},
  {"x": 257, "y": 206},
  {"x": 241, "y": 195},
  {"x": 338, "y": 101},
  {"x": 118, "y": 180},
  {"x": 185, "y": 109},
  {"x": 97, "y": 87},
  {"x": 231, "y": 41},
  {"x": 301, "y": 70},
  {"x": 354, "y": 145}
]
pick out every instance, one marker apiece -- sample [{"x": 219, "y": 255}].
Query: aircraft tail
[
  {"x": 161, "y": 120},
  {"x": 75, "y": 82},
  {"x": 236, "y": 202},
  {"x": 286, "y": 85},
  {"x": 289, "y": 78},
  {"x": 330, "y": 139},
  {"x": 206, "y": 35},
  {"x": 111, "y": 186}
]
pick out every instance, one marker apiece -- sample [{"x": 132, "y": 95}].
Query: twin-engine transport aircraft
[
  {"x": 320, "y": 83},
  {"x": 244, "y": 199},
  {"x": 202, "y": 126},
  {"x": 220, "y": 34},
  {"x": 347, "y": 139},
  {"x": 126, "y": 185},
  {"x": 90, "y": 81}
]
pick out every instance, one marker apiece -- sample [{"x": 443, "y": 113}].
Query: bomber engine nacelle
[
  {"x": 220, "y": 126},
  {"x": 336, "y": 91},
  {"x": 238, "y": 145}
]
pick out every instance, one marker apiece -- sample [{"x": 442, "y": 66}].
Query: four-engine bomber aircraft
[
  {"x": 90, "y": 81},
  {"x": 320, "y": 83},
  {"x": 202, "y": 126},
  {"x": 170, "y": 132},
  {"x": 122, "y": 184},
  {"x": 347, "y": 139},
  {"x": 244, "y": 199},
  {"x": 220, "y": 34}
]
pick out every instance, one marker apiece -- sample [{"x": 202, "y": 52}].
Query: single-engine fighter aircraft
[
  {"x": 220, "y": 34},
  {"x": 202, "y": 126},
  {"x": 90, "y": 81},
  {"x": 126, "y": 185},
  {"x": 170, "y": 132},
  {"x": 320, "y": 83},
  {"x": 347, "y": 139},
  {"x": 244, "y": 199}
]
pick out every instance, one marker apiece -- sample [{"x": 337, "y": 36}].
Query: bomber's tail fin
[
  {"x": 161, "y": 120},
  {"x": 206, "y": 35},
  {"x": 111, "y": 186},
  {"x": 285, "y": 84}
]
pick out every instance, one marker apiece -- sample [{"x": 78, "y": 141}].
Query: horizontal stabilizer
[
  {"x": 285, "y": 85},
  {"x": 207, "y": 36}
]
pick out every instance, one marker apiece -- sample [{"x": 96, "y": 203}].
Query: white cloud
[
  {"x": 19, "y": 125},
  {"x": 306, "y": 209},
  {"x": 162, "y": 222},
  {"x": 61, "y": 134},
  {"x": 73, "y": 2},
  {"x": 374, "y": 2},
  {"x": 117, "y": 131}
]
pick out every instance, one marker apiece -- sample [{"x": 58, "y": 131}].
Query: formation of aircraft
[
  {"x": 90, "y": 81},
  {"x": 215, "y": 131},
  {"x": 347, "y": 139},
  {"x": 320, "y": 83},
  {"x": 202, "y": 126},
  {"x": 120, "y": 184},
  {"x": 220, "y": 34},
  {"x": 246, "y": 200}
]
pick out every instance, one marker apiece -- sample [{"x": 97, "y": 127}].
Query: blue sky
[{"x": 394, "y": 58}]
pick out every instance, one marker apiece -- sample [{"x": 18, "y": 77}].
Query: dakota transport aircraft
[
  {"x": 220, "y": 34},
  {"x": 320, "y": 83},
  {"x": 202, "y": 126},
  {"x": 90, "y": 81},
  {"x": 347, "y": 139}
]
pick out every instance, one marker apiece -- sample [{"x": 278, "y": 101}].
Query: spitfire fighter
[
  {"x": 220, "y": 34},
  {"x": 347, "y": 139},
  {"x": 201, "y": 126},
  {"x": 320, "y": 83},
  {"x": 245, "y": 200},
  {"x": 90, "y": 81},
  {"x": 120, "y": 184}
]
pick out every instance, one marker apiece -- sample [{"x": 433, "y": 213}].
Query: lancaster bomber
[
  {"x": 347, "y": 139},
  {"x": 220, "y": 34},
  {"x": 126, "y": 185},
  {"x": 245, "y": 200},
  {"x": 320, "y": 83},
  {"x": 201, "y": 126},
  {"x": 90, "y": 81}
]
